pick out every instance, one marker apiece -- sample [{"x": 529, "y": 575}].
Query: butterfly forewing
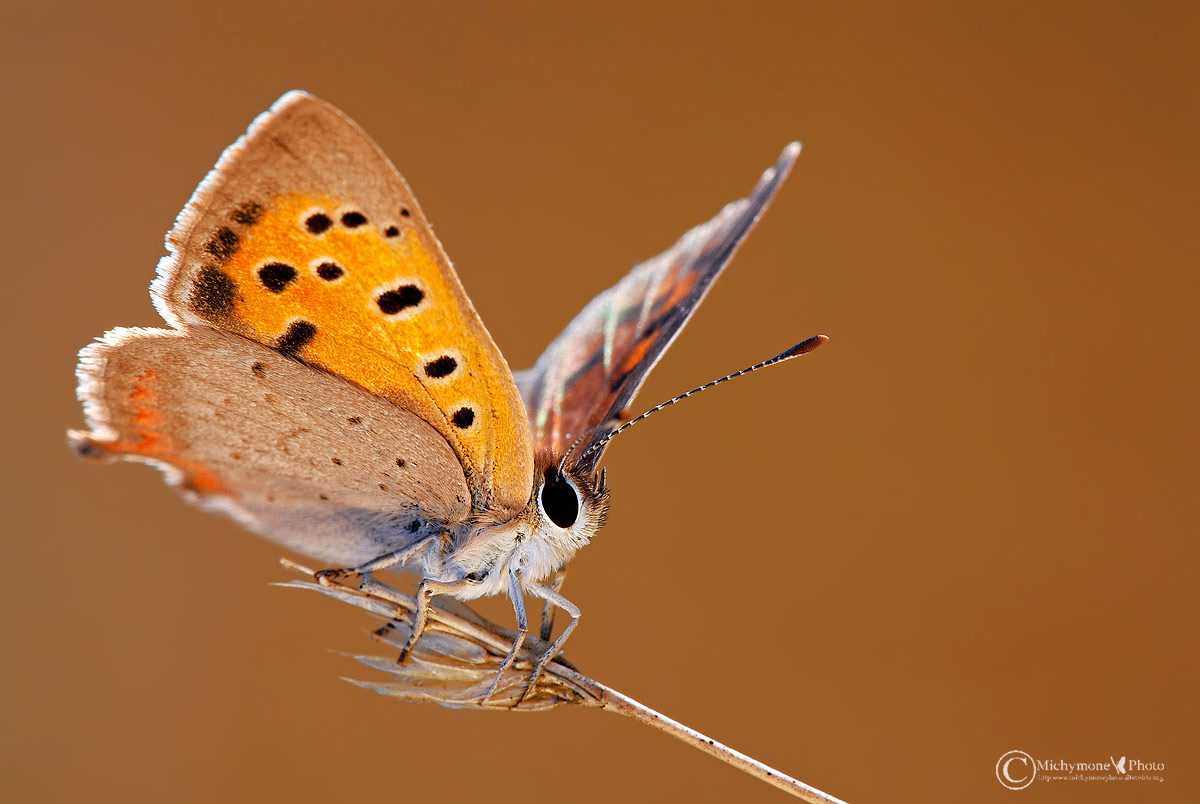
[
  {"x": 590, "y": 373},
  {"x": 306, "y": 239}
]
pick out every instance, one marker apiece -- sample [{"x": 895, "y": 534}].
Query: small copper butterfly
[{"x": 326, "y": 381}]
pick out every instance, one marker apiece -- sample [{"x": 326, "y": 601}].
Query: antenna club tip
[{"x": 805, "y": 346}]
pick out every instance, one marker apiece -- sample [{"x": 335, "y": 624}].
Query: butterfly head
[
  {"x": 569, "y": 500},
  {"x": 565, "y": 510}
]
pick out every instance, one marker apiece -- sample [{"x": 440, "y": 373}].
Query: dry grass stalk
[{"x": 459, "y": 654}]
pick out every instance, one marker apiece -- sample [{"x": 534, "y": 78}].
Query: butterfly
[{"x": 326, "y": 381}]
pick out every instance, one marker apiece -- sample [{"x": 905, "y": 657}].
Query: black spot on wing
[
  {"x": 444, "y": 366},
  {"x": 355, "y": 420},
  {"x": 329, "y": 271},
  {"x": 394, "y": 301},
  {"x": 317, "y": 223},
  {"x": 213, "y": 292},
  {"x": 259, "y": 370},
  {"x": 353, "y": 220},
  {"x": 391, "y": 231},
  {"x": 276, "y": 276},
  {"x": 84, "y": 447},
  {"x": 463, "y": 418},
  {"x": 247, "y": 214},
  {"x": 222, "y": 245},
  {"x": 298, "y": 335}
]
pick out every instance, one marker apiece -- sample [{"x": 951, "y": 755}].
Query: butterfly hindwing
[
  {"x": 300, "y": 456},
  {"x": 590, "y": 373},
  {"x": 306, "y": 239}
]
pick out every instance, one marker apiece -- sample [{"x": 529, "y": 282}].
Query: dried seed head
[
  {"x": 457, "y": 658},
  {"x": 460, "y": 653}
]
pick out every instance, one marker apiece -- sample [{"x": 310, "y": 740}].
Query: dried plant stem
[
  {"x": 449, "y": 671},
  {"x": 624, "y": 705},
  {"x": 613, "y": 701}
]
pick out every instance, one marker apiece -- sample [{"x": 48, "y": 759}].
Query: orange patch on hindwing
[
  {"x": 145, "y": 423},
  {"x": 145, "y": 420},
  {"x": 367, "y": 300}
]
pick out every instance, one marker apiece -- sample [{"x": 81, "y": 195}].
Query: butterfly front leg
[
  {"x": 556, "y": 583},
  {"x": 518, "y": 603},
  {"x": 426, "y": 589},
  {"x": 551, "y": 595},
  {"x": 327, "y": 576}
]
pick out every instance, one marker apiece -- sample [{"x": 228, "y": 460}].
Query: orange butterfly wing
[{"x": 306, "y": 238}]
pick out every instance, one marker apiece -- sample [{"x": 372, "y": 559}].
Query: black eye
[
  {"x": 477, "y": 576},
  {"x": 559, "y": 500}
]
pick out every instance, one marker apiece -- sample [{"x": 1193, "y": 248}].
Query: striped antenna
[{"x": 804, "y": 347}]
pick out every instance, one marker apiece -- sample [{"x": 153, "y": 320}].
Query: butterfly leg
[
  {"x": 377, "y": 564},
  {"x": 551, "y": 595},
  {"x": 426, "y": 589},
  {"x": 518, "y": 604},
  {"x": 556, "y": 584}
]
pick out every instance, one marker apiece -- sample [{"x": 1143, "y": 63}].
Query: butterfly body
[
  {"x": 492, "y": 544},
  {"x": 327, "y": 382}
]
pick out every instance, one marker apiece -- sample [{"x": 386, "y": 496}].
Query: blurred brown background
[{"x": 975, "y": 532}]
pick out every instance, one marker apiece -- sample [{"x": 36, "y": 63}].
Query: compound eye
[
  {"x": 559, "y": 500},
  {"x": 478, "y": 576}
]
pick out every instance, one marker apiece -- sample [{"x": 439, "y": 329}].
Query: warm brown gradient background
[{"x": 966, "y": 525}]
